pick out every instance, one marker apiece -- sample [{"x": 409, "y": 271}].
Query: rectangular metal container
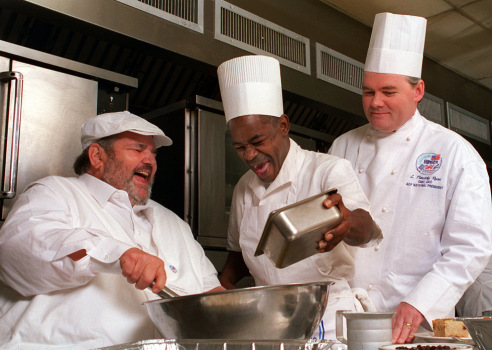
[{"x": 292, "y": 233}]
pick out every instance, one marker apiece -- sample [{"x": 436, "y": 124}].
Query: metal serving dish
[
  {"x": 290, "y": 311},
  {"x": 480, "y": 329},
  {"x": 292, "y": 233},
  {"x": 224, "y": 344}
]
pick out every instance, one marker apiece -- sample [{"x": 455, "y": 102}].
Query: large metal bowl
[{"x": 290, "y": 311}]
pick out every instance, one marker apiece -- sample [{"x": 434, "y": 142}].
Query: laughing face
[
  {"x": 131, "y": 166},
  {"x": 262, "y": 143}
]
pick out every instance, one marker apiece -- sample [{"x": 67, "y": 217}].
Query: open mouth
[
  {"x": 261, "y": 169},
  {"x": 142, "y": 175}
]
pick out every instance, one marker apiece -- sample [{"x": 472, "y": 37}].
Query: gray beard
[{"x": 115, "y": 178}]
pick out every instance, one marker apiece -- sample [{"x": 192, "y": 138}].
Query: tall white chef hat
[
  {"x": 251, "y": 85},
  {"x": 108, "y": 124},
  {"x": 397, "y": 45}
]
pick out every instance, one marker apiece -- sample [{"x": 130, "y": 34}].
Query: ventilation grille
[
  {"x": 249, "y": 32},
  {"x": 186, "y": 13},
  {"x": 468, "y": 124},
  {"x": 338, "y": 69},
  {"x": 432, "y": 108}
]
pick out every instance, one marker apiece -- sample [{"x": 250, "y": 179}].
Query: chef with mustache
[
  {"x": 78, "y": 253},
  {"x": 281, "y": 173}
]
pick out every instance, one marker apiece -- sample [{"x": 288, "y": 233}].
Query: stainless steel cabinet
[
  {"x": 54, "y": 106},
  {"x": 197, "y": 174}
]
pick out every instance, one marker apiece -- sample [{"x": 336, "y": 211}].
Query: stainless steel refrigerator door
[
  {"x": 219, "y": 169},
  {"x": 54, "y": 107},
  {"x": 10, "y": 105},
  {"x": 212, "y": 220}
]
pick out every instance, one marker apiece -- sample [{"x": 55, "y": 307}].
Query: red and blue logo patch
[{"x": 428, "y": 163}]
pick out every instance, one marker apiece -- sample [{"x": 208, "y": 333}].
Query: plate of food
[
  {"x": 427, "y": 346},
  {"x": 447, "y": 330},
  {"x": 429, "y": 337}
]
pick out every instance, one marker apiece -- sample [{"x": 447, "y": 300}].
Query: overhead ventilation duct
[
  {"x": 249, "y": 32},
  {"x": 338, "y": 69},
  {"x": 432, "y": 108},
  {"x": 186, "y": 13},
  {"x": 468, "y": 124}
]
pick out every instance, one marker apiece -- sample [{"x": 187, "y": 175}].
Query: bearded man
[{"x": 72, "y": 248}]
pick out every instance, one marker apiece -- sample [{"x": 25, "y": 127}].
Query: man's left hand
[
  {"x": 405, "y": 323},
  {"x": 356, "y": 228},
  {"x": 333, "y": 237}
]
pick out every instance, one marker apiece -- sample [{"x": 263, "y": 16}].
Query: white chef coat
[
  {"x": 46, "y": 298},
  {"x": 430, "y": 195},
  {"x": 303, "y": 174}
]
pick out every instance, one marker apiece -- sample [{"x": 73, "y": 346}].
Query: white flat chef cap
[
  {"x": 251, "y": 85},
  {"x": 397, "y": 45},
  {"x": 108, "y": 124}
]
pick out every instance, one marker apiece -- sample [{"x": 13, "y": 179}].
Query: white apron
[{"x": 265, "y": 273}]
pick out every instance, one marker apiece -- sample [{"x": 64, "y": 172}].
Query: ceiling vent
[
  {"x": 186, "y": 13},
  {"x": 468, "y": 124},
  {"x": 249, "y": 32},
  {"x": 432, "y": 108},
  {"x": 338, "y": 69}
]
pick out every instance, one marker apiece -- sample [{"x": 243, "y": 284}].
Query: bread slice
[{"x": 447, "y": 327}]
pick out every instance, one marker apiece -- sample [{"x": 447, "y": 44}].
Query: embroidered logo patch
[
  {"x": 173, "y": 269},
  {"x": 428, "y": 163}
]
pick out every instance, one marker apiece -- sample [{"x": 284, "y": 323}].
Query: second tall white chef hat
[
  {"x": 251, "y": 85},
  {"x": 397, "y": 45}
]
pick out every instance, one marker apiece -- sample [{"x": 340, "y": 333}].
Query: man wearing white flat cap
[
  {"x": 428, "y": 187},
  {"x": 281, "y": 173},
  {"x": 77, "y": 254}
]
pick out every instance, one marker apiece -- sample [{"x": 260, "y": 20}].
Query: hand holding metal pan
[{"x": 292, "y": 233}]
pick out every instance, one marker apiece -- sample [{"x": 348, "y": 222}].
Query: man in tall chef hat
[
  {"x": 428, "y": 187},
  {"x": 282, "y": 173},
  {"x": 77, "y": 253}
]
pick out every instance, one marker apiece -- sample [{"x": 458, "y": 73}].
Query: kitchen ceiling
[
  {"x": 167, "y": 76},
  {"x": 459, "y": 32}
]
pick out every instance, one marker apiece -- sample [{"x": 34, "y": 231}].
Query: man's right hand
[{"x": 142, "y": 269}]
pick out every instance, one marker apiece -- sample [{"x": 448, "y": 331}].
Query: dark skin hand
[
  {"x": 405, "y": 323},
  {"x": 234, "y": 269},
  {"x": 356, "y": 228}
]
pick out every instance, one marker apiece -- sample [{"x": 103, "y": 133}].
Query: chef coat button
[
  {"x": 106, "y": 257},
  {"x": 393, "y": 172},
  {"x": 376, "y": 248},
  {"x": 369, "y": 287},
  {"x": 408, "y": 138},
  {"x": 361, "y": 170},
  {"x": 384, "y": 210}
]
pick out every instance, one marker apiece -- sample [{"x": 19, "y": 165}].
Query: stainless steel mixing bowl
[{"x": 290, "y": 311}]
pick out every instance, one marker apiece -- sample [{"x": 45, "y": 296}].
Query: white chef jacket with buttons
[
  {"x": 430, "y": 194},
  {"x": 303, "y": 174},
  {"x": 46, "y": 298}
]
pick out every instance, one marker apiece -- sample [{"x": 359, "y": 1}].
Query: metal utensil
[
  {"x": 292, "y": 233},
  {"x": 273, "y": 312},
  {"x": 165, "y": 292}
]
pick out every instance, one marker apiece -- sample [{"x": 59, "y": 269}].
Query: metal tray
[
  {"x": 218, "y": 344},
  {"x": 292, "y": 233},
  {"x": 480, "y": 329}
]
